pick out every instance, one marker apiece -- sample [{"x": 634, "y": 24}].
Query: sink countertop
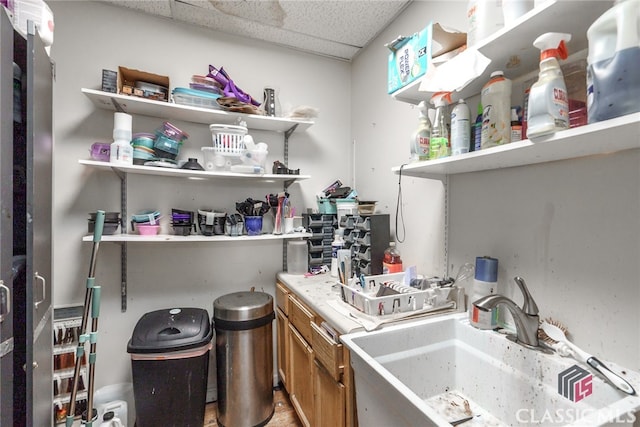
[
  {"x": 321, "y": 294},
  {"x": 315, "y": 291}
]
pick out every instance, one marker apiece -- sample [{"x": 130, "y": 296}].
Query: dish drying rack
[{"x": 385, "y": 294}]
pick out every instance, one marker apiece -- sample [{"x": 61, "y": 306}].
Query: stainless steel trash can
[{"x": 244, "y": 358}]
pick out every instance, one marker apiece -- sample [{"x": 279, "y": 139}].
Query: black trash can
[
  {"x": 169, "y": 362},
  {"x": 244, "y": 358}
]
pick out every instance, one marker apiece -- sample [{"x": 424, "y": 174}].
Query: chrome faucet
[{"x": 526, "y": 318}]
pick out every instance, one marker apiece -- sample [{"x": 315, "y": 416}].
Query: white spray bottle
[
  {"x": 548, "y": 108},
  {"x": 440, "y": 146},
  {"x": 422, "y": 135}
]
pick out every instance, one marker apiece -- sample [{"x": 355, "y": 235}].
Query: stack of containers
[
  {"x": 143, "y": 148},
  {"x": 182, "y": 222},
  {"x": 168, "y": 141},
  {"x": 146, "y": 222}
]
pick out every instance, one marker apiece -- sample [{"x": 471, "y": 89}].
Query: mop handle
[
  {"x": 82, "y": 337},
  {"x": 93, "y": 339}
]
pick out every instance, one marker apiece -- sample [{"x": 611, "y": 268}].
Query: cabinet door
[
  {"x": 39, "y": 362},
  {"x": 6, "y": 221},
  {"x": 329, "y": 398},
  {"x": 300, "y": 376},
  {"x": 282, "y": 348}
]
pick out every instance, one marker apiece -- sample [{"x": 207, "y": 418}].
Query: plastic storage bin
[
  {"x": 244, "y": 358},
  {"x": 169, "y": 362}
]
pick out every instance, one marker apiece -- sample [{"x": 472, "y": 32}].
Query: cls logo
[{"x": 575, "y": 383}]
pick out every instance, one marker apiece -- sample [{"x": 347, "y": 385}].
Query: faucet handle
[{"x": 529, "y": 306}]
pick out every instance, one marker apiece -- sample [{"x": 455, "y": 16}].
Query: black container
[{"x": 170, "y": 362}]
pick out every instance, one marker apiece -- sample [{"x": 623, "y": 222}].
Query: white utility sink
[{"x": 421, "y": 374}]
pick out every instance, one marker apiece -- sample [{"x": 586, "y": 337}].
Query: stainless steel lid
[{"x": 242, "y": 306}]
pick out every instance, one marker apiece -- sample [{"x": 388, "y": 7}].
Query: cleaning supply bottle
[
  {"x": 422, "y": 135},
  {"x": 336, "y": 245},
  {"x": 484, "y": 17},
  {"x": 121, "y": 149},
  {"x": 391, "y": 260},
  {"x": 485, "y": 283},
  {"x": 516, "y": 125},
  {"x": 460, "y": 128},
  {"x": 496, "y": 112},
  {"x": 613, "y": 79},
  {"x": 439, "y": 145},
  {"x": 477, "y": 131},
  {"x": 548, "y": 109}
]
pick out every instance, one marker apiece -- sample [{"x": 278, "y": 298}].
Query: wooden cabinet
[
  {"x": 313, "y": 367},
  {"x": 300, "y": 376},
  {"x": 330, "y": 403}
]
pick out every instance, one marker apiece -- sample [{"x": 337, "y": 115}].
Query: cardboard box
[
  {"x": 410, "y": 57},
  {"x": 127, "y": 79}
]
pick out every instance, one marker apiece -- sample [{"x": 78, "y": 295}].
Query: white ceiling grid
[{"x": 332, "y": 28}]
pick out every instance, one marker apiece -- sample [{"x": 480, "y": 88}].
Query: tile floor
[{"x": 284, "y": 416}]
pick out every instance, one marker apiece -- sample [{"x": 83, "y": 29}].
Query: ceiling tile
[{"x": 332, "y": 28}]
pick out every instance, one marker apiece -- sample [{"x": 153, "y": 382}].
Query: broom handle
[{"x": 82, "y": 337}]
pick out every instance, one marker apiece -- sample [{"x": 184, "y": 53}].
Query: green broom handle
[{"x": 83, "y": 337}]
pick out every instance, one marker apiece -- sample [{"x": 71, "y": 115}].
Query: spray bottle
[
  {"x": 422, "y": 135},
  {"x": 439, "y": 144},
  {"x": 548, "y": 108},
  {"x": 460, "y": 128}
]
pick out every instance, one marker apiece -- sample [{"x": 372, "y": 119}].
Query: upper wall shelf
[
  {"x": 194, "y": 238},
  {"x": 191, "y": 174},
  {"x": 171, "y": 111},
  {"x": 511, "y": 49},
  {"x": 605, "y": 137}
]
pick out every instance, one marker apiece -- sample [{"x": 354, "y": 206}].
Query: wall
[
  {"x": 569, "y": 228},
  {"x": 92, "y": 36}
]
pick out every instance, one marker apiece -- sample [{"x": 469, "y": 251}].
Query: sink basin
[{"x": 435, "y": 371}]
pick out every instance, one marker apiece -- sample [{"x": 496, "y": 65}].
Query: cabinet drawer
[
  {"x": 301, "y": 318},
  {"x": 282, "y": 298},
  {"x": 327, "y": 351}
]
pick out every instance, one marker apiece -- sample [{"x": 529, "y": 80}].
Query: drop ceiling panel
[{"x": 332, "y": 28}]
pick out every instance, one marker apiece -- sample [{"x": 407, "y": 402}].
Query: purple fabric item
[{"x": 230, "y": 89}]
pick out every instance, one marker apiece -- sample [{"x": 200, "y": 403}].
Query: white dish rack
[{"x": 365, "y": 298}]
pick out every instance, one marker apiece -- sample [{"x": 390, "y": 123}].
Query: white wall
[
  {"x": 570, "y": 228},
  {"x": 92, "y": 36}
]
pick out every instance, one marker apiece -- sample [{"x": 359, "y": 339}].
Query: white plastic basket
[{"x": 228, "y": 140}]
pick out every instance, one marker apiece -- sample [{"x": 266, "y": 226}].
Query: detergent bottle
[
  {"x": 439, "y": 145},
  {"x": 613, "y": 79},
  {"x": 496, "y": 111},
  {"x": 422, "y": 135},
  {"x": 548, "y": 109}
]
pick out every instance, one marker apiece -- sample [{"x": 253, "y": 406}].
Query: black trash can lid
[
  {"x": 242, "y": 306},
  {"x": 168, "y": 330}
]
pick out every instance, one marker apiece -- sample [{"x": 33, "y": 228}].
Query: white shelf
[
  {"x": 171, "y": 111},
  {"x": 621, "y": 133},
  {"x": 511, "y": 49},
  {"x": 164, "y": 238},
  {"x": 191, "y": 174}
]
